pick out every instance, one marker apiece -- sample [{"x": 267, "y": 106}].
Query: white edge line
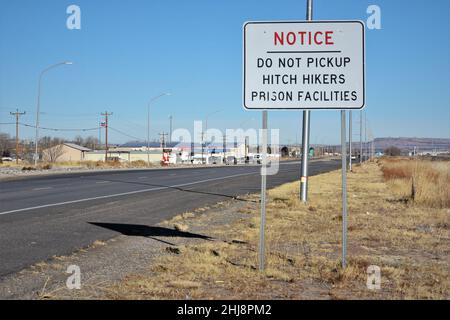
[
  {"x": 44, "y": 188},
  {"x": 126, "y": 193}
]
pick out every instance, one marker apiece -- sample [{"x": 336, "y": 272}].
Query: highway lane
[{"x": 45, "y": 216}]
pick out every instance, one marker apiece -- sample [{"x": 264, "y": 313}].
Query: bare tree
[
  {"x": 79, "y": 140},
  {"x": 53, "y": 148},
  {"x": 91, "y": 142},
  {"x": 6, "y": 144},
  {"x": 392, "y": 151},
  {"x": 52, "y": 154},
  {"x": 28, "y": 150}
]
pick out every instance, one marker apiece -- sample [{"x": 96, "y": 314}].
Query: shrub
[
  {"x": 392, "y": 151},
  {"x": 47, "y": 166},
  {"x": 28, "y": 168}
]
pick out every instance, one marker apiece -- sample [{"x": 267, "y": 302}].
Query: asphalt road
[{"x": 55, "y": 215}]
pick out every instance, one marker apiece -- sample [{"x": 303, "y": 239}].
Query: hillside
[{"x": 423, "y": 144}]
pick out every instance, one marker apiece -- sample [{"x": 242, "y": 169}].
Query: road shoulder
[{"x": 106, "y": 263}]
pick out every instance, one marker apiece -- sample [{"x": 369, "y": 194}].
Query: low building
[
  {"x": 154, "y": 156},
  {"x": 65, "y": 152}
]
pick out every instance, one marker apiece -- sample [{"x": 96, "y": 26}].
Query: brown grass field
[
  {"x": 405, "y": 233},
  {"x": 408, "y": 239},
  {"x": 425, "y": 183}
]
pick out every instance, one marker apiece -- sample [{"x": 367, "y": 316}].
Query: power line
[
  {"x": 126, "y": 134},
  {"x": 51, "y": 129},
  {"x": 82, "y": 129}
]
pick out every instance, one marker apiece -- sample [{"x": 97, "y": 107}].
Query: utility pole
[
  {"x": 170, "y": 128},
  {"x": 106, "y": 114},
  {"x": 350, "y": 140},
  {"x": 203, "y": 148},
  {"x": 17, "y": 114},
  {"x": 206, "y": 132},
  {"x": 305, "y": 132},
  {"x": 224, "y": 148},
  {"x": 162, "y": 139},
  {"x": 246, "y": 147}
]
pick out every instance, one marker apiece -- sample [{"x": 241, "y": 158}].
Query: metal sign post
[
  {"x": 360, "y": 137},
  {"x": 305, "y": 132},
  {"x": 344, "y": 189},
  {"x": 350, "y": 140},
  {"x": 305, "y": 151},
  {"x": 263, "y": 191}
]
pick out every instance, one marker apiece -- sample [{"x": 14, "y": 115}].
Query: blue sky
[{"x": 129, "y": 51}]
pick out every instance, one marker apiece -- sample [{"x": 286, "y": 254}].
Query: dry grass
[
  {"x": 11, "y": 164},
  {"x": 422, "y": 181},
  {"x": 408, "y": 242},
  {"x": 180, "y": 227}
]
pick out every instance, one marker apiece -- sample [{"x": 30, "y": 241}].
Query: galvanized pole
[
  {"x": 224, "y": 149},
  {"x": 148, "y": 135},
  {"x": 36, "y": 139},
  {"x": 350, "y": 140},
  {"x": 263, "y": 192},
  {"x": 305, "y": 133},
  {"x": 148, "y": 122},
  {"x": 360, "y": 137},
  {"x": 344, "y": 189},
  {"x": 170, "y": 128},
  {"x": 365, "y": 133},
  {"x": 203, "y": 149},
  {"x": 100, "y": 135}
]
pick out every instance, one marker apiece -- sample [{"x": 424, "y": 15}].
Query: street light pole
[
  {"x": 170, "y": 128},
  {"x": 36, "y": 156},
  {"x": 148, "y": 123},
  {"x": 205, "y": 133}
]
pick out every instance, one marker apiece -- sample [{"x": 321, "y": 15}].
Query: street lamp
[
  {"x": 148, "y": 122},
  {"x": 206, "y": 132},
  {"x": 36, "y": 155}
]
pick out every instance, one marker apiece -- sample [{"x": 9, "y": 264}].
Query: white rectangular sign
[{"x": 304, "y": 65}]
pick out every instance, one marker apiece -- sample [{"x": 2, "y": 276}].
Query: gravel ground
[{"x": 105, "y": 263}]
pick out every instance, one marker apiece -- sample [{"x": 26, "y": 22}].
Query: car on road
[{"x": 231, "y": 160}]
